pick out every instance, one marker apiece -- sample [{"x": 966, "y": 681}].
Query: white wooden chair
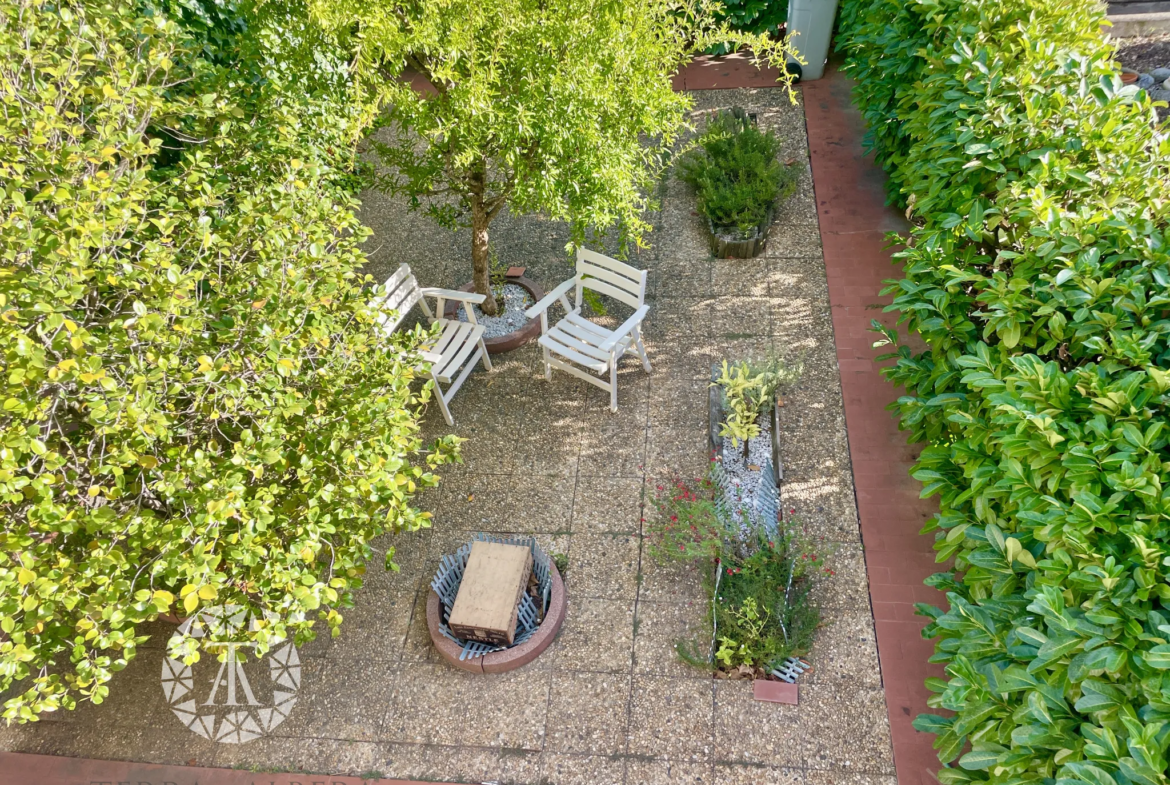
[
  {"x": 460, "y": 345},
  {"x": 576, "y": 341}
]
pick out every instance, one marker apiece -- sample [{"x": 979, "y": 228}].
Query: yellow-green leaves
[
  {"x": 563, "y": 107},
  {"x": 196, "y": 405}
]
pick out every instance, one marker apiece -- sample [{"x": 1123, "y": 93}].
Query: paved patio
[{"x": 609, "y": 702}]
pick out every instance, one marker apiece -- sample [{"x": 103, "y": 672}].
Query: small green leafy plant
[
  {"x": 749, "y": 387},
  {"x": 736, "y": 173},
  {"x": 760, "y": 610},
  {"x": 763, "y": 611}
]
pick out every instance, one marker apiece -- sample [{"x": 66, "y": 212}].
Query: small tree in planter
[{"x": 562, "y": 107}]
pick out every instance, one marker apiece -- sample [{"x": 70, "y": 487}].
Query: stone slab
[{"x": 775, "y": 692}]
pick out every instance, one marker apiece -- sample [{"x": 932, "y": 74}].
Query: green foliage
[
  {"x": 561, "y": 560},
  {"x": 760, "y": 609},
  {"x": 756, "y": 16},
  {"x": 763, "y": 609},
  {"x": 765, "y": 17},
  {"x": 735, "y": 172},
  {"x": 749, "y": 388},
  {"x": 687, "y": 525},
  {"x": 1038, "y": 273},
  {"x": 197, "y": 408},
  {"x": 558, "y": 107}
]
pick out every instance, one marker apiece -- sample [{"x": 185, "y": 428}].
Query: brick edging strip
[
  {"x": 854, "y": 221},
  {"x": 26, "y": 769}
]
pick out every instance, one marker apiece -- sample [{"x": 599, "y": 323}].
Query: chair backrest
[
  {"x": 609, "y": 276},
  {"x": 396, "y": 297}
]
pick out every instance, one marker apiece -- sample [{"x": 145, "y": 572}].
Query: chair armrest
[
  {"x": 430, "y": 357},
  {"x": 629, "y": 324},
  {"x": 451, "y": 294},
  {"x": 550, "y": 298}
]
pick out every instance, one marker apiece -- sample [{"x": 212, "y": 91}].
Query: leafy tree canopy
[
  {"x": 197, "y": 408},
  {"x": 561, "y": 107}
]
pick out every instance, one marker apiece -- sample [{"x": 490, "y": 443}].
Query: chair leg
[
  {"x": 442, "y": 402},
  {"x": 613, "y": 382},
  {"x": 641, "y": 348},
  {"x": 547, "y": 366},
  {"x": 487, "y": 363}
]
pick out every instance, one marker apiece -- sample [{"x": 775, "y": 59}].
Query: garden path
[{"x": 610, "y": 702}]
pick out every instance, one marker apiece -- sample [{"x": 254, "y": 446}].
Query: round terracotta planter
[
  {"x": 515, "y": 339},
  {"x": 508, "y": 659}
]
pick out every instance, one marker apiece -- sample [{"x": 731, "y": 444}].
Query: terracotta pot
[
  {"x": 508, "y": 341},
  {"x": 1129, "y": 77}
]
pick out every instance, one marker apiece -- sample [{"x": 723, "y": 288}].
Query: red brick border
[
  {"x": 723, "y": 73},
  {"x": 850, "y": 194}
]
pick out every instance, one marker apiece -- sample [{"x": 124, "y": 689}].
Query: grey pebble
[
  {"x": 1145, "y": 81},
  {"x": 1158, "y": 94},
  {"x": 1160, "y": 74},
  {"x": 516, "y": 299}
]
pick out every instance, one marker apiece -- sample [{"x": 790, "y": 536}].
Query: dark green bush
[
  {"x": 736, "y": 173},
  {"x": 1038, "y": 272},
  {"x": 753, "y": 16}
]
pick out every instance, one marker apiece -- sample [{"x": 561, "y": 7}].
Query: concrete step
[
  {"x": 1126, "y": 7},
  {"x": 1133, "y": 25}
]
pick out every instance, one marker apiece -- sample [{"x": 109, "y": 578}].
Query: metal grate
[
  {"x": 528, "y": 618},
  {"x": 762, "y": 513},
  {"x": 791, "y": 669},
  {"x": 767, "y": 501}
]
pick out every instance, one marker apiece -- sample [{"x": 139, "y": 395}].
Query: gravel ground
[
  {"x": 516, "y": 301},
  {"x": 1146, "y": 53},
  {"x": 739, "y": 471}
]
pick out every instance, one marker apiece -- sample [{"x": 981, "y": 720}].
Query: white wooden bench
[
  {"x": 576, "y": 341},
  {"x": 452, "y": 357}
]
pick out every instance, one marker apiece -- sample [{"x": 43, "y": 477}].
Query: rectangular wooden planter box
[{"x": 716, "y": 416}]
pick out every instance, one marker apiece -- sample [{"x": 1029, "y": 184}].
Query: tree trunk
[{"x": 479, "y": 255}]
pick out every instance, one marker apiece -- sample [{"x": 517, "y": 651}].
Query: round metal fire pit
[{"x": 532, "y": 638}]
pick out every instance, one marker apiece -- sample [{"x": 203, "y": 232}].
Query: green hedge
[{"x": 1038, "y": 273}]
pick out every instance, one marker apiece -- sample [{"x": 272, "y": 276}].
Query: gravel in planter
[
  {"x": 516, "y": 301},
  {"x": 747, "y": 480}
]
